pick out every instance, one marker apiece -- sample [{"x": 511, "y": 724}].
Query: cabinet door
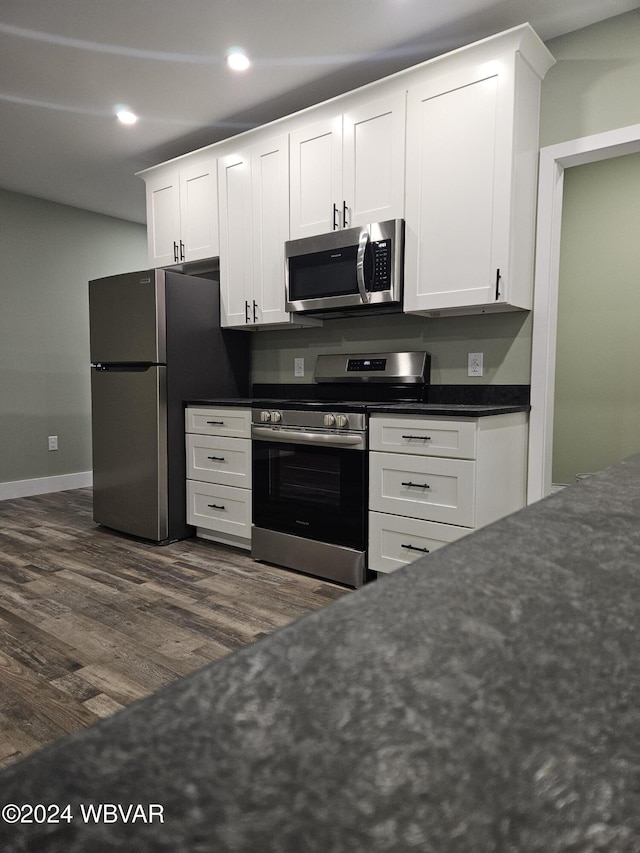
[
  {"x": 234, "y": 178},
  {"x": 316, "y": 178},
  {"x": 270, "y": 228},
  {"x": 458, "y": 179},
  {"x": 163, "y": 218},
  {"x": 373, "y": 161},
  {"x": 199, "y": 211}
]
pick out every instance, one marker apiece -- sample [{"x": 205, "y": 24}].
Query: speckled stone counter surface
[
  {"x": 449, "y": 410},
  {"x": 445, "y": 410},
  {"x": 486, "y": 698}
]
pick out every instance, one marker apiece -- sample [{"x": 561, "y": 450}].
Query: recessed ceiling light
[
  {"x": 237, "y": 59},
  {"x": 125, "y": 115}
]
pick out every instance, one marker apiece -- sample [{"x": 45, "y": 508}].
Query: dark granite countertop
[
  {"x": 473, "y": 401},
  {"x": 485, "y": 699},
  {"x": 241, "y": 402},
  {"x": 451, "y": 410}
]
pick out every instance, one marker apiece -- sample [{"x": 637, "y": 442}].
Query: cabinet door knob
[
  {"x": 175, "y": 251},
  {"x": 416, "y": 485},
  {"x": 336, "y": 212},
  {"x": 215, "y": 506},
  {"x": 216, "y": 458},
  {"x": 247, "y": 318},
  {"x": 344, "y": 214}
]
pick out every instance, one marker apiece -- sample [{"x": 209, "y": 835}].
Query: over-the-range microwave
[{"x": 343, "y": 271}]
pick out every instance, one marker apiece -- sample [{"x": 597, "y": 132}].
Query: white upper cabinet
[
  {"x": 254, "y": 225},
  {"x": 348, "y": 170},
  {"x": 182, "y": 212},
  {"x": 373, "y": 160},
  {"x": 316, "y": 178},
  {"x": 450, "y": 145},
  {"x": 236, "y": 286},
  {"x": 269, "y": 228},
  {"x": 472, "y": 146}
]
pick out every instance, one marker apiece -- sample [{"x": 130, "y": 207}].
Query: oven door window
[{"x": 314, "y": 492}]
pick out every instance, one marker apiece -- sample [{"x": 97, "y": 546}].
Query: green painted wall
[
  {"x": 505, "y": 340},
  {"x": 594, "y": 87},
  {"x": 49, "y": 252},
  {"x": 595, "y": 82},
  {"x": 597, "y": 400}
]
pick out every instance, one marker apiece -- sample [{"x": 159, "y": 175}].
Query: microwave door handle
[{"x": 362, "y": 247}]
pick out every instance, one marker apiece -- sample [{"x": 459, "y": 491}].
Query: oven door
[{"x": 313, "y": 491}]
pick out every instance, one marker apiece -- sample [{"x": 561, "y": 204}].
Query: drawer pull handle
[
  {"x": 216, "y": 423},
  {"x": 215, "y": 506},
  {"x": 417, "y": 485},
  {"x": 421, "y": 437},
  {"x": 414, "y": 548},
  {"x": 216, "y": 458}
]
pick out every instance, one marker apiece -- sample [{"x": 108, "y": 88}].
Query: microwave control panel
[{"x": 381, "y": 252}]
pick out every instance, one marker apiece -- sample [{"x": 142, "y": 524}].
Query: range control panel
[{"x": 362, "y": 364}]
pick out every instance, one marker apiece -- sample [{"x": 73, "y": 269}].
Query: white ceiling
[{"x": 65, "y": 64}]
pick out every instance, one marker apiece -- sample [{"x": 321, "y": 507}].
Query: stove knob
[
  {"x": 342, "y": 420},
  {"x": 329, "y": 420},
  {"x": 265, "y": 417},
  {"x": 276, "y": 417}
]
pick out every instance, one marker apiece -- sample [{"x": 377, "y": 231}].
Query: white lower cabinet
[
  {"x": 218, "y": 447},
  {"x": 433, "y": 480},
  {"x": 396, "y": 540}
]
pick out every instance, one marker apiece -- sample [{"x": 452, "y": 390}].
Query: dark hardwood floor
[{"x": 91, "y": 620}]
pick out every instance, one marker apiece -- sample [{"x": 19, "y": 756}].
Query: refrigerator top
[{"x": 127, "y": 318}]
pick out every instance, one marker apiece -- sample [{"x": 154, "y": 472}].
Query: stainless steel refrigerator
[{"x": 155, "y": 341}]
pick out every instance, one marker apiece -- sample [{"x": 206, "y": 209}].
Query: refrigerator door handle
[{"x": 124, "y": 366}]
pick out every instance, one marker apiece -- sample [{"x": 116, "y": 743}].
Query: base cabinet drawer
[
  {"x": 423, "y": 487},
  {"x": 223, "y": 421},
  {"x": 223, "y": 509},
  {"x": 395, "y": 541},
  {"x": 218, "y": 456},
  {"x": 424, "y": 436},
  {"x": 218, "y": 459}
]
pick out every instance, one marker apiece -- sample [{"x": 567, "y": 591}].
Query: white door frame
[{"x": 554, "y": 159}]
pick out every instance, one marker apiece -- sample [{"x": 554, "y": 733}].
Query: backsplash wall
[{"x": 505, "y": 340}]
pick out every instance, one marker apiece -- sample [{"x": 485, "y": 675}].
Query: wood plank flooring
[{"x": 91, "y": 620}]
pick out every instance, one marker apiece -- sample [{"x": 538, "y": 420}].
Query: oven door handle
[
  {"x": 362, "y": 248},
  {"x": 347, "y": 441}
]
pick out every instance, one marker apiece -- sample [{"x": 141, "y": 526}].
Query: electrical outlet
[
  {"x": 474, "y": 364},
  {"x": 53, "y": 442},
  {"x": 298, "y": 366}
]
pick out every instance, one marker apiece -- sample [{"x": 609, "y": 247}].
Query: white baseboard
[{"x": 44, "y": 485}]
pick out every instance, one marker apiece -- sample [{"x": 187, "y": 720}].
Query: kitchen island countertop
[{"x": 485, "y": 698}]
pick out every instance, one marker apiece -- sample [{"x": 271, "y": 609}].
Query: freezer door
[
  {"x": 129, "y": 432},
  {"x": 127, "y": 320}
]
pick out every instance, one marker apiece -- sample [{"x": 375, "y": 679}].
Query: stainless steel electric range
[{"x": 310, "y": 465}]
